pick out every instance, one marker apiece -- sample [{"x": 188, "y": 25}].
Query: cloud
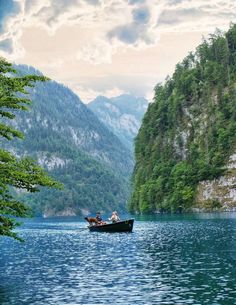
[
  {"x": 6, "y": 45},
  {"x": 173, "y": 17},
  {"x": 136, "y": 1},
  {"x": 134, "y": 84},
  {"x": 136, "y": 31},
  {"x": 190, "y": 15},
  {"x": 141, "y": 15},
  {"x": 114, "y": 24},
  {"x": 8, "y": 8},
  {"x": 10, "y": 29},
  {"x": 87, "y": 94},
  {"x": 130, "y": 34}
]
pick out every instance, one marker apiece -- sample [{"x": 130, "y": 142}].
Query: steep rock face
[
  {"x": 185, "y": 148},
  {"x": 122, "y": 115},
  {"x": 219, "y": 193},
  {"x": 68, "y": 140}
]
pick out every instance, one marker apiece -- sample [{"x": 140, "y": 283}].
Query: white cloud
[
  {"x": 97, "y": 52},
  {"x": 116, "y": 23},
  {"x": 107, "y": 85},
  {"x": 87, "y": 94},
  {"x": 191, "y": 15}
]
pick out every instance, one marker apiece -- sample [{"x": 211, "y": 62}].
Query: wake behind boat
[{"x": 120, "y": 226}]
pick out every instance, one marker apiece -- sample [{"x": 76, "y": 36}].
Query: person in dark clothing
[{"x": 99, "y": 217}]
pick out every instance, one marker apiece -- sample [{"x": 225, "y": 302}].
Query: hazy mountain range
[
  {"x": 68, "y": 139},
  {"x": 122, "y": 115}
]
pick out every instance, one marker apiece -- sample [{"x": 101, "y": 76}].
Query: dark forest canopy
[{"x": 189, "y": 130}]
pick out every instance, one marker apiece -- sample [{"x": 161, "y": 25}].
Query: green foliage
[
  {"x": 75, "y": 148},
  {"x": 189, "y": 130},
  {"x": 211, "y": 205},
  {"x": 21, "y": 174},
  {"x": 88, "y": 185}
]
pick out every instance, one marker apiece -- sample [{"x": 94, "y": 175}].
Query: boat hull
[{"x": 121, "y": 226}]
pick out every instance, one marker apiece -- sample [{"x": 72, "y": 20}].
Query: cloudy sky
[{"x": 108, "y": 47}]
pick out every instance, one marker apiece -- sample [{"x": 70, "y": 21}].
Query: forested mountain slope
[
  {"x": 185, "y": 147},
  {"x": 76, "y": 148},
  {"x": 122, "y": 115}
]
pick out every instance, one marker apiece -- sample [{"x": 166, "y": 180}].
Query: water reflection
[{"x": 167, "y": 260}]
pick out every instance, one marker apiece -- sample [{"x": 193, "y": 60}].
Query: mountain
[
  {"x": 122, "y": 115},
  {"x": 66, "y": 138},
  {"x": 185, "y": 150}
]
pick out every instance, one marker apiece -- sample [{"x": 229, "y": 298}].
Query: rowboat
[{"x": 120, "y": 226}]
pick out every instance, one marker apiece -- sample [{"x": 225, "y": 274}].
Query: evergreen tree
[{"x": 20, "y": 174}]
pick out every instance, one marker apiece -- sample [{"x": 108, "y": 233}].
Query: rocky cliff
[{"x": 220, "y": 193}]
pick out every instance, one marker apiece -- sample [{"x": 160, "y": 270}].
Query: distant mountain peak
[{"x": 121, "y": 114}]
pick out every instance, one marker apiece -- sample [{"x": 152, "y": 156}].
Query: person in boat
[
  {"x": 99, "y": 219},
  {"x": 114, "y": 217}
]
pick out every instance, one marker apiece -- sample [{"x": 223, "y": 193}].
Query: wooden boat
[{"x": 120, "y": 226}]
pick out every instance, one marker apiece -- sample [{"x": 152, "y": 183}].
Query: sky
[{"x": 108, "y": 47}]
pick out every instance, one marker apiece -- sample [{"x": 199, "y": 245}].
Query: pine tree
[{"x": 16, "y": 173}]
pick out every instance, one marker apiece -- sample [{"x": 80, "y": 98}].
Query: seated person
[
  {"x": 99, "y": 219},
  {"x": 114, "y": 217}
]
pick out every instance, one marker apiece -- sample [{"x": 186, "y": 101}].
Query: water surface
[{"x": 186, "y": 259}]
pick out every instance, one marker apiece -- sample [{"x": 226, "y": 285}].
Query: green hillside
[
  {"x": 67, "y": 139},
  {"x": 189, "y": 131}
]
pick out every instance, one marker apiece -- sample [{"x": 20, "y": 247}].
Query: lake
[{"x": 168, "y": 259}]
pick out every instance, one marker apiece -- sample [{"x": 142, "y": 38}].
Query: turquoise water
[{"x": 186, "y": 259}]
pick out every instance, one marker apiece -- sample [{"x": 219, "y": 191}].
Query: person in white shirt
[{"x": 114, "y": 217}]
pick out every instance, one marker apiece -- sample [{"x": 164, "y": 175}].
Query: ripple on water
[{"x": 183, "y": 261}]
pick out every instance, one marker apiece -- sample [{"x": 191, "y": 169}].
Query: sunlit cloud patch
[{"x": 115, "y": 23}]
